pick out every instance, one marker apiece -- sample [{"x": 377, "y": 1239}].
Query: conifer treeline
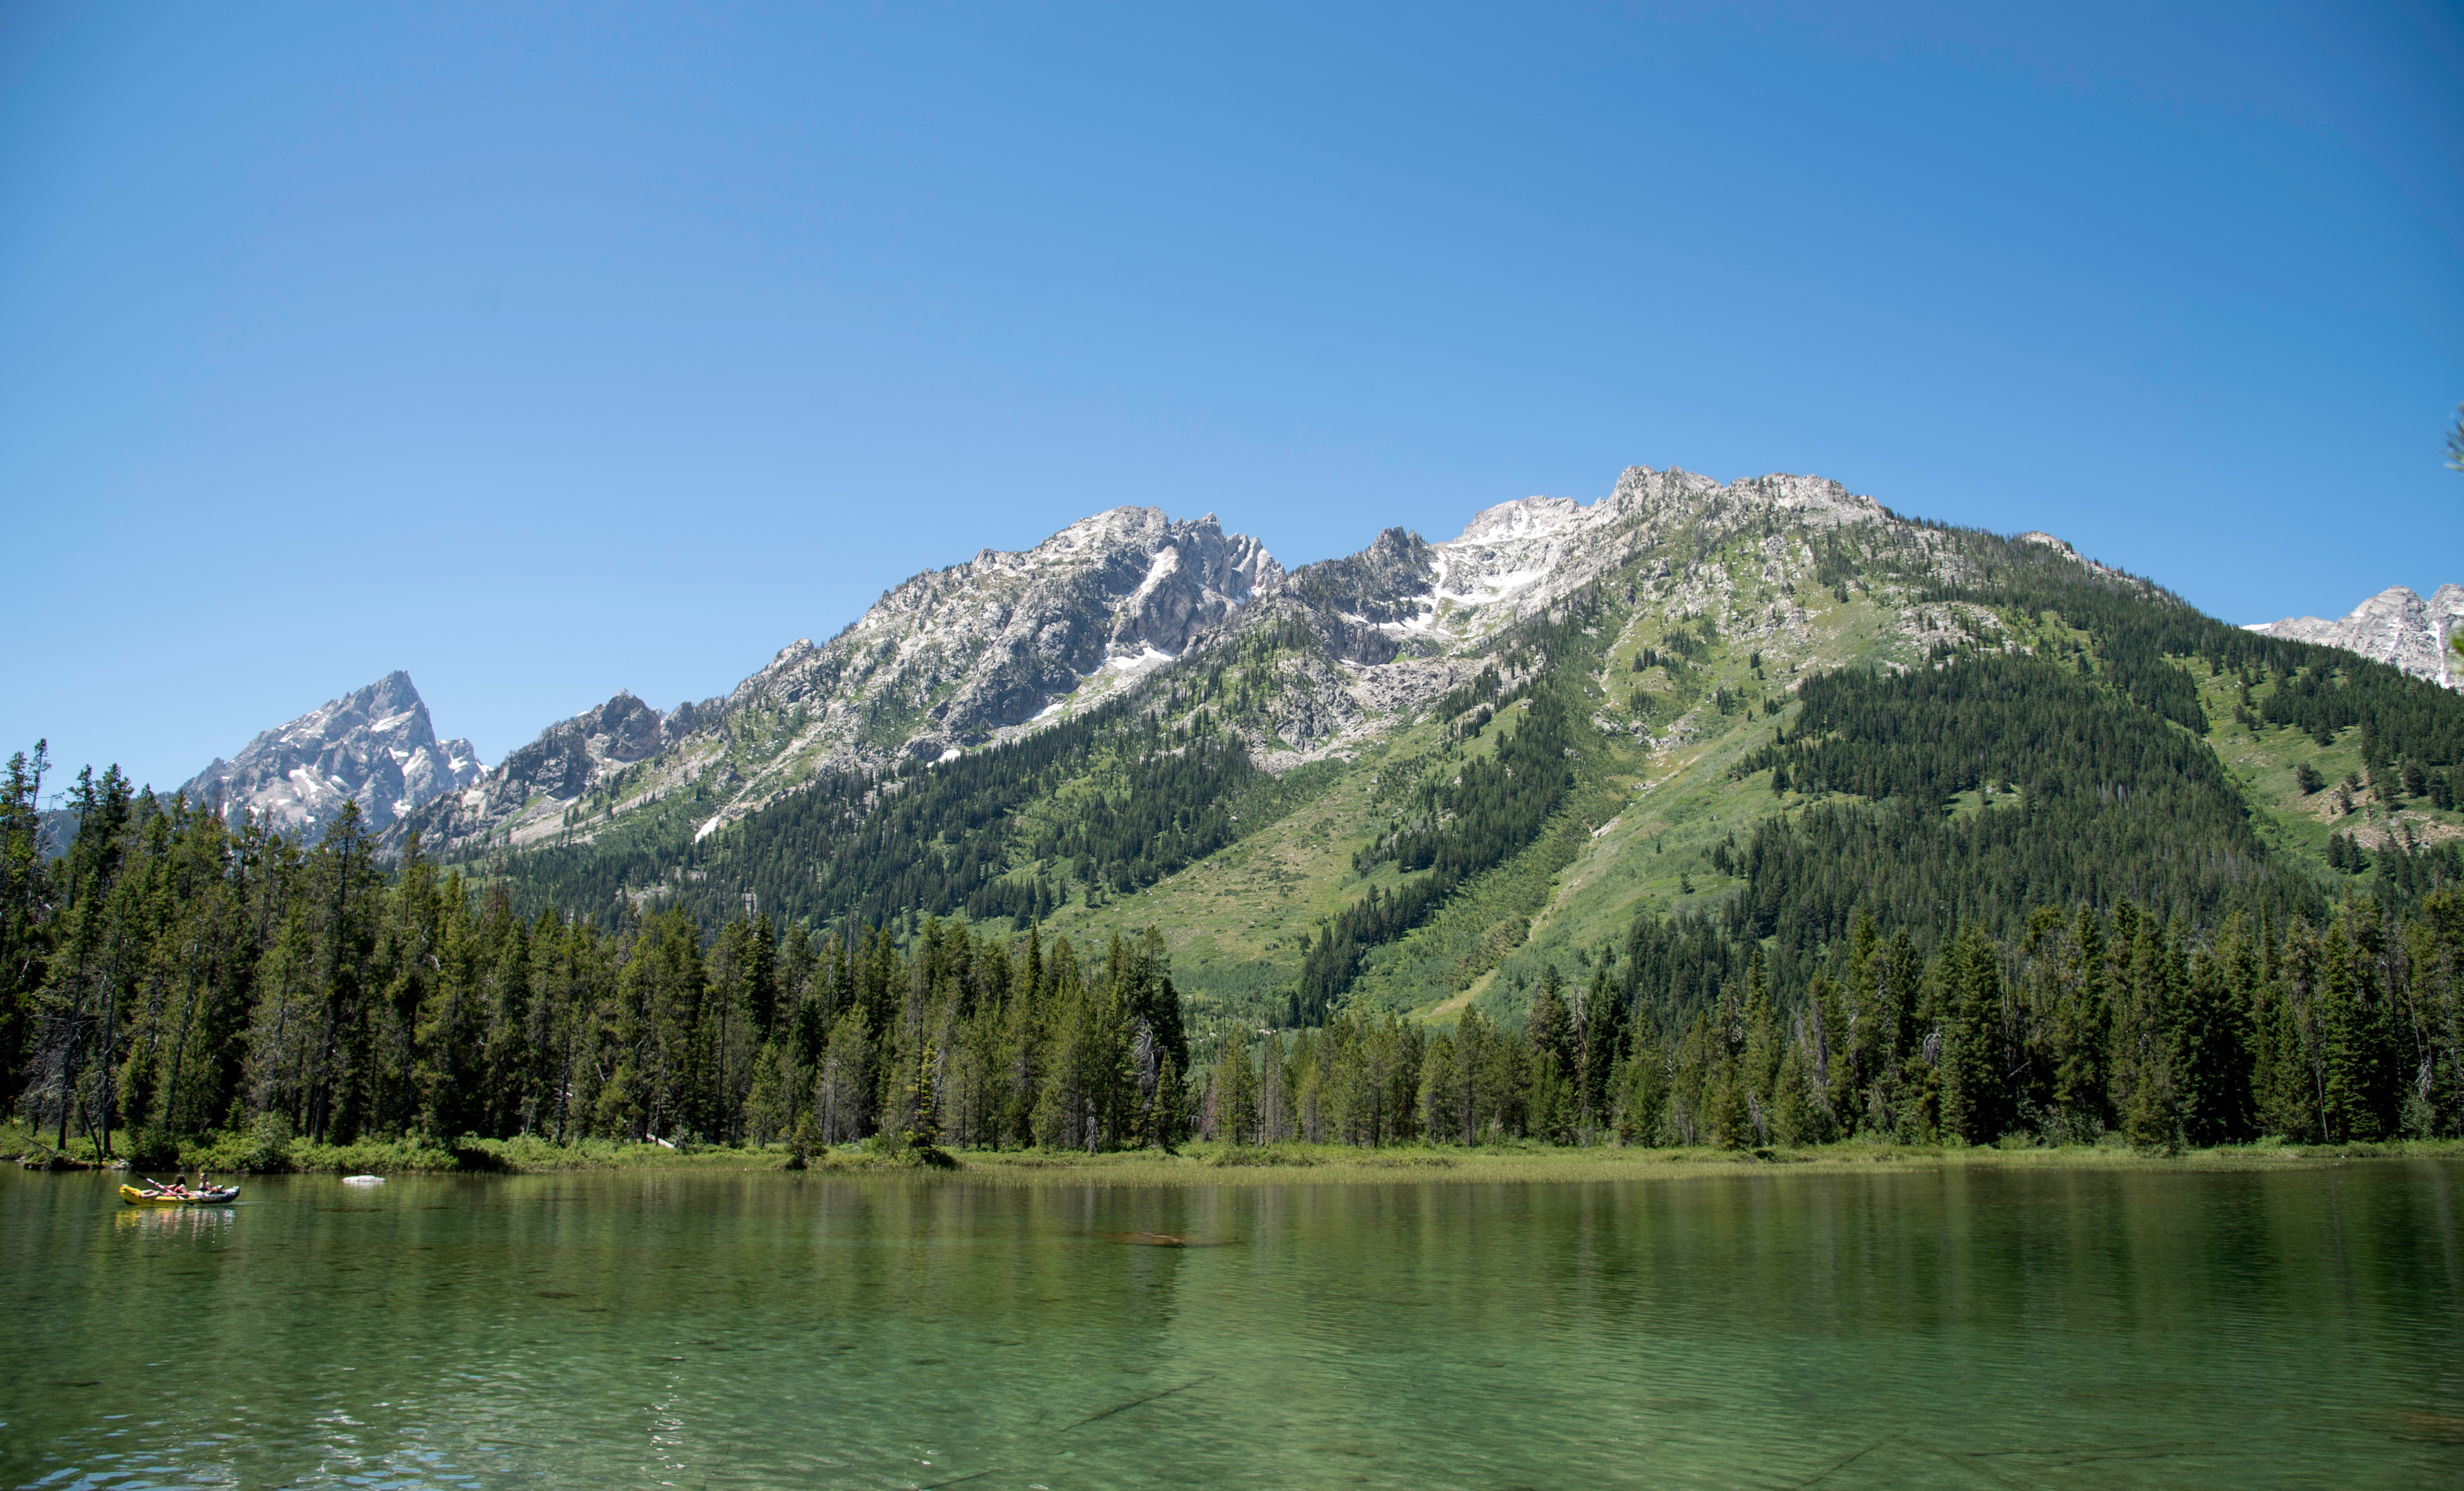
[
  {"x": 2342, "y": 1032},
  {"x": 2140, "y": 635},
  {"x": 2349, "y": 1029},
  {"x": 1494, "y": 807},
  {"x": 171, "y": 975},
  {"x": 2084, "y": 798}
]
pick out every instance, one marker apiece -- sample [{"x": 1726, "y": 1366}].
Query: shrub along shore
[{"x": 1210, "y": 1163}]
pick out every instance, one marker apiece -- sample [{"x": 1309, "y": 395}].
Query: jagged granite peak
[
  {"x": 374, "y": 746},
  {"x": 1377, "y": 585},
  {"x": 1405, "y": 619},
  {"x": 566, "y": 761},
  {"x": 2396, "y": 627}
]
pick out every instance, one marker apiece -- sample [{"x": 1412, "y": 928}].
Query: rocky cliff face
[
  {"x": 1408, "y": 620},
  {"x": 2396, "y": 627},
  {"x": 375, "y": 747},
  {"x": 569, "y": 760},
  {"x": 1381, "y": 584},
  {"x": 1004, "y": 643},
  {"x": 954, "y": 655},
  {"x": 1518, "y": 558}
]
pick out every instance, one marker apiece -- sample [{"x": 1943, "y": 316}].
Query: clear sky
[{"x": 548, "y": 351}]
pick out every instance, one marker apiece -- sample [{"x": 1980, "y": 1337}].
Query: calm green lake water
[{"x": 1973, "y": 1327}]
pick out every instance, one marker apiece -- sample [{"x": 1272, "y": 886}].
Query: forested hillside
[{"x": 1777, "y": 825}]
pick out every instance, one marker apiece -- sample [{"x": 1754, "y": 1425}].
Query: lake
[{"x": 1971, "y": 1326}]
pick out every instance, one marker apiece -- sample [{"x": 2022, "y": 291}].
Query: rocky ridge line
[{"x": 993, "y": 649}]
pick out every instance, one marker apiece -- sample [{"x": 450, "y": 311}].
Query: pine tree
[
  {"x": 2382, "y": 1026},
  {"x": 2150, "y": 1035},
  {"x": 923, "y": 1105},
  {"x": 2212, "y": 1043},
  {"x": 1602, "y": 1038},
  {"x": 1275, "y": 1120},
  {"x": 1904, "y": 1084},
  {"x": 1546, "y": 1024},
  {"x": 1760, "y": 1059},
  {"x": 1438, "y": 1085},
  {"x": 1861, "y": 1037},
  {"x": 1550, "y": 1097},
  {"x": 1913, "y": 1095},
  {"x": 1730, "y": 1118},
  {"x": 1972, "y": 983},
  {"x": 1233, "y": 1093},
  {"x": 1694, "y": 1069},
  {"x": 28, "y": 890},
  {"x": 2083, "y": 1031},
  {"x": 1798, "y": 1116},
  {"x": 1642, "y": 1101}
]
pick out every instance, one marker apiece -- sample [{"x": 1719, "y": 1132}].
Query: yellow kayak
[{"x": 138, "y": 1196}]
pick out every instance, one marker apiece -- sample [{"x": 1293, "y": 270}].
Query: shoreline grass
[
  {"x": 1214, "y": 1164},
  {"x": 1537, "y": 1164}
]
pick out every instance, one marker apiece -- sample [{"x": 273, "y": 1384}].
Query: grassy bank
[
  {"x": 231, "y": 1153},
  {"x": 1207, "y": 1164},
  {"x": 1340, "y": 1165}
]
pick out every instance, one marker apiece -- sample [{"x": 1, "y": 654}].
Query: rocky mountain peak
[
  {"x": 2396, "y": 627},
  {"x": 1382, "y": 583},
  {"x": 1113, "y": 528},
  {"x": 624, "y": 729},
  {"x": 1522, "y": 520},
  {"x": 374, "y": 746}
]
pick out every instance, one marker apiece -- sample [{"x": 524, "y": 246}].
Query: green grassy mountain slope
[{"x": 1768, "y": 718}]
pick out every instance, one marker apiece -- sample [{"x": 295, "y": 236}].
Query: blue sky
[{"x": 548, "y": 351}]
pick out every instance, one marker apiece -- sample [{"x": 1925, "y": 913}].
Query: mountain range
[
  {"x": 1318, "y": 784},
  {"x": 1332, "y": 784},
  {"x": 986, "y": 652}
]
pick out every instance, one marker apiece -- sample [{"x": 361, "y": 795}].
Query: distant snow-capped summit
[
  {"x": 374, "y": 746},
  {"x": 2394, "y": 627}
]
